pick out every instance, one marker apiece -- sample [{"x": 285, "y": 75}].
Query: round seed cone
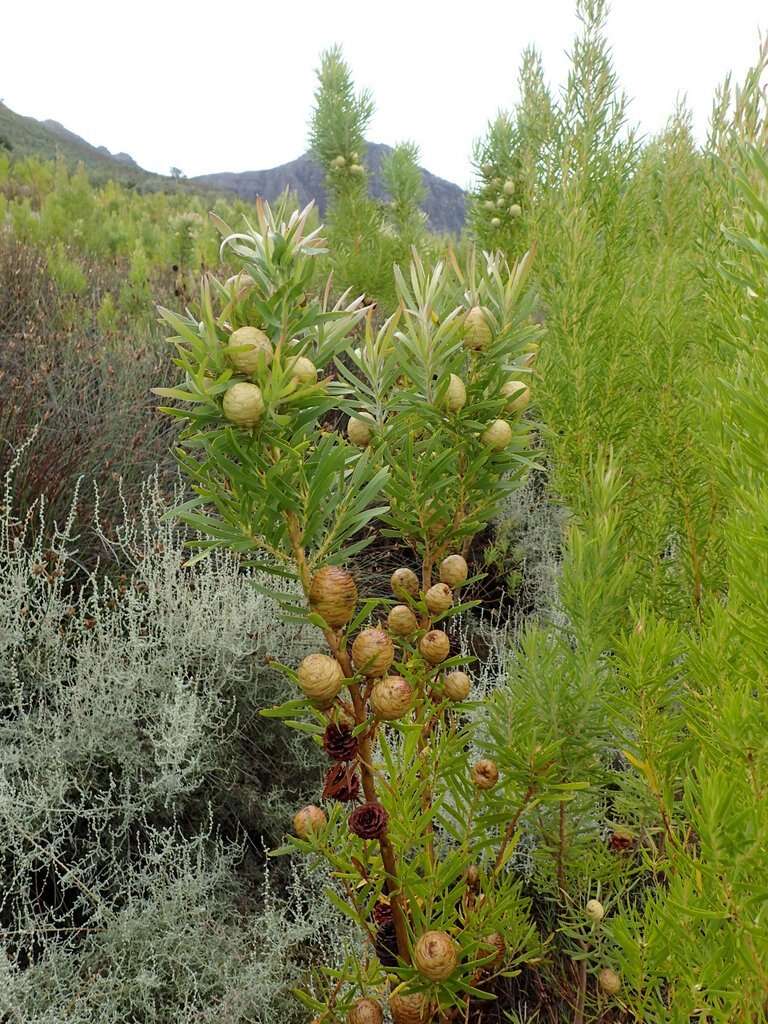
[
  {"x": 391, "y": 698},
  {"x": 372, "y": 652},
  {"x": 320, "y": 679},
  {"x": 477, "y": 332},
  {"x": 457, "y": 685},
  {"x": 366, "y": 1011},
  {"x": 409, "y": 1008},
  {"x": 401, "y": 621},
  {"x": 404, "y": 582},
  {"x": 609, "y": 981},
  {"x": 302, "y": 369},
  {"x": 518, "y": 395},
  {"x": 497, "y": 435},
  {"x": 439, "y": 598},
  {"x": 333, "y": 594},
  {"x": 243, "y": 404},
  {"x": 454, "y": 570},
  {"x": 249, "y": 348},
  {"x": 456, "y": 395},
  {"x": 485, "y": 774},
  {"x": 436, "y": 956},
  {"x": 435, "y": 646},
  {"x": 307, "y": 820}
]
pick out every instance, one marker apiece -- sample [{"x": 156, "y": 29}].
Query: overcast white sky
[{"x": 228, "y": 86}]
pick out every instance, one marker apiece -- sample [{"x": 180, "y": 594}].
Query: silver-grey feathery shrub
[{"x": 138, "y": 786}]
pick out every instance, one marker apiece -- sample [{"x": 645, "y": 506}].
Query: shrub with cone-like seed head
[
  {"x": 456, "y": 395},
  {"x": 435, "y": 646},
  {"x": 302, "y": 369},
  {"x": 485, "y": 774},
  {"x": 477, "y": 331},
  {"x": 436, "y": 956},
  {"x": 454, "y": 570},
  {"x": 333, "y": 594},
  {"x": 609, "y": 981},
  {"x": 320, "y": 678},
  {"x": 439, "y": 598},
  {"x": 595, "y": 911},
  {"x": 515, "y": 210},
  {"x": 409, "y": 1008},
  {"x": 243, "y": 404},
  {"x": 372, "y": 652},
  {"x": 509, "y": 187},
  {"x": 248, "y": 349},
  {"x": 365, "y": 1011},
  {"x": 518, "y": 395},
  {"x": 359, "y": 430},
  {"x": 497, "y": 435},
  {"x": 404, "y": 582},
  {"x": 391, "y": 698},
  {"x": 401, "y": 621},
  {"x": 456, "y": 686},
  {"x": 308, "y": 820}
]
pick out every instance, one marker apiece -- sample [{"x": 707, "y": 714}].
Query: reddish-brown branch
[{"x": 332, "y": 638}]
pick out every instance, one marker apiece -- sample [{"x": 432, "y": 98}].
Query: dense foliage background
[{"x": 623, "y": 615}]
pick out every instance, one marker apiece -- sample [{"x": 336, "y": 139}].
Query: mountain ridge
[{"x": 444, "y": 203}]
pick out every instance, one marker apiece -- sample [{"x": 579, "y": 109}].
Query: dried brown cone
[
  {"x": 339, "y": 743},
  {"x": 456, "y": 686},
  {"x": 454, "y": 570},
  {"x": 320, "y": 678},
  {"x": 382, "y": 912},
  {"x": 333, "y": 594},
  {"x": 435, "y": 646},
  {"x": 341, "y": 783},
  {"x": 485, "y": 774},
  {"x": 401, "y": 621},
  {"x": 366, "y": 1011},
  {"x": 404, "y": 583},
  {"x": 373, "y": 652},
  {"x": 409, "y": 1008},
  {"x": 436, "y": 956},
  {"x": 308, "y": 820},
  {"x": 386, "y": 944},
  {"x": 391, "y": 698},
  {"x": 439, "y": 598},
  {"x": 621, "y": 840},
  {"x": 368, "y": 821}
]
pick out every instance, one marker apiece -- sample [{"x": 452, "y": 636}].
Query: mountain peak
[{"x": 444, "y": 203}]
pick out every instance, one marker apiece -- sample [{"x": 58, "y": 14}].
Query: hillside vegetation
[{"x": 573, "y": 831}]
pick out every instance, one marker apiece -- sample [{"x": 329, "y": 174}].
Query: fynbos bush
[{"x": 432, "y": 444}]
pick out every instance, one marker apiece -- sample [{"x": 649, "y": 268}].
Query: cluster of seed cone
[
  {"x": 250, "y": 353},
  {"x": 478, "y": 336},
  {"x": 333, "y": 595}
]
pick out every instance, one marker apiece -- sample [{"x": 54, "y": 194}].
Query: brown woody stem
[{"x": 364, "y": 745}]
